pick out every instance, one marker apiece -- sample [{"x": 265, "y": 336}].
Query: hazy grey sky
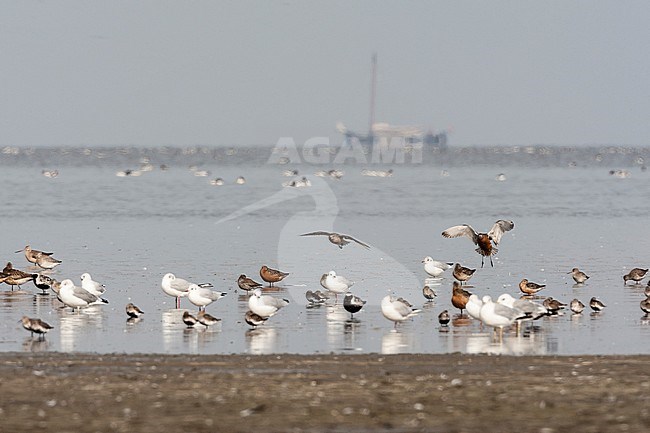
[{"x": 249, "y": 72}]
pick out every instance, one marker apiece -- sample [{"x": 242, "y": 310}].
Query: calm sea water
[{"x": 127, "y": 232}]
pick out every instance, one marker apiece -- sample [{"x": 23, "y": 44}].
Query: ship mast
[{"x": 373, "y": 89}]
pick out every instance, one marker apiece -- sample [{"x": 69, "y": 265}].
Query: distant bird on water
[
  {"x": 352, "y": 304},
  {"x": 578, "y": 276},
  {"x": 596, "y": 304},
  {"x": 462, "y": 273},
  {"x": 246, "y": 283},
  {"x": 33, "y": 256},
  {"x": 443, "y": 318},
  {"x": 338, "y": 239},
  {"x": 254, "y": 320},
  {"x": 530, "y": 288},
  {"x": 36, "y": 325},
  {"x": 576, "y": 306},
  {"x": 133, "y": 311},
  {"x": 636, "y": 275},
  {"x": 484, "y": 241},
  {"x": 428, "y": 293},
  {"x": 272, "y": 275}
]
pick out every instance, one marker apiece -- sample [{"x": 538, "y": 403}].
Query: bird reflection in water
[
  {"x": 394, "y": 342},
  {"x": 75, "y": 326},
  {"x": 261, "y": 341}
]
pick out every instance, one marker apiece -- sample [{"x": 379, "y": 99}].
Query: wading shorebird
[
  {"x": 444, "y": 318},
  {"x": 530, "y": 288},
  {"x": 459, "y": 296},
  {"x": 272, "y": 275},
  {"x": 33, "y": 256},
  {"x": 352, "y": 304},
  {"x": 36, "y": 325},
  {"x": 576, "y": 306},
  {"x": 484, "y": 241},
  {"x": 596, "y": 304},
  {"x": 462, "y": 273},
  {"x": 636, "y": 275},
  {"x": 246, "y": 283},
  {"x": 578, "y": 276},
  {"x": 254, "y": 320},
  {"x": 133, "y": 311},
  {"x": 337, "y": 239},
  {"x": 16, "y": 277},
  {"x": 428, "y": 293}
]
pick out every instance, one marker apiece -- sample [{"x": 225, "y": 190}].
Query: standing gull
[
  {"x": 338, "y": 239},
  {"x": 93, "y": 287},
  {"x": 272, "y": 275},
  {"x": 77, "y": 297},
  {"x": 397, "y": 310},
  {"x": 484, "y": 241},
  {"x": 435, "y": 268},
  {"x": 202, "y": 296},
  {"x": 177, "y": 287},
  {"x": 498, "y": 316},
  {"x": 265, "y": 306},
  {"x": 336, "y": 284}
]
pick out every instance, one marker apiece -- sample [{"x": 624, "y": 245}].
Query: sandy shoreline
[{"x": 233, "y": 393}]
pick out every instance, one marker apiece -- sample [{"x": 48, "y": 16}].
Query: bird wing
[
  {"x": 179, "y": 284},
  {"x": 348, "y": 237},
  {"x": 498, "y": 229},
  {"x": 316, "y": 234},
  {"x": 507, "y": 312},
  {"x": 461, "y": 230},
  {"x": 402, "y": 307},
  {"x": 84, "y": 295}
]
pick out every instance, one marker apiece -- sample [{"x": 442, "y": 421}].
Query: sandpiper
[
  {"x": 530, "y": 288},
  {"x": 596, "y": 304},
  {"x": 645, "y": 306},
  {"x": 272, "y": 275},
  {"x": 44, "y": 282},
  {"x": 315, "y": 298},
  {"x": 578, "y": 276},
  {"x": 133, "y": 311},
  {"x": 16, "y": 277},
  {"x": 459, "y": 296},
  {"x": 36, "y": 325},
  {"x": 444, "y": 318},
  {"x": 31, "y": 255},
  {"x": 397, "y": 310},
  {"x": 553, "y": 305},
  {"x": 338, "y": 239},
  {"x": 253, "y": 319},
  {"x": 636, "y": 275},
  {"x": 189, "y": 320},
  {"x": 462, "y": 273},
  {"x": 428, "y": 293},
  {"x": 206, "y": 319},
  {"x": 352, "y": 304},
  {"x": 484, "y": 241},
  {"x": 576, "y": 306},
  {"x": 246, "y": 283}
]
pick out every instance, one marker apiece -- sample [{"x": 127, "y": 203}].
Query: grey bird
[
  {"x": 246, "y": 283},
  {"x": 254, "y": 320},
  {"x": 645, "y": 306},
  {"x": 206, "y": 319},
  {"x": 462, "y": 273},
  {"x": 576, "y": 306},
  {"x": 578, "y": 276},
  {"x": 133, "y": 311},
  {"x": 429, "y": 293},
  {"x": 636, "y": 275},
  {"x": 36, "y": 326},
  {"x": 337, "y": 239}
]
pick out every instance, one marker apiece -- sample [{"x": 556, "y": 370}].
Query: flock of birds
[{"x": 504, "y": 312}]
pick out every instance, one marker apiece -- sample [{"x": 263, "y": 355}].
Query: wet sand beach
[{"x": 352, "y": 393}]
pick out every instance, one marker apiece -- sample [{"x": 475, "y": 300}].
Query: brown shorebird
[
  {"x": 443, "y": 318},
  {"x": 530, "y": 288},
  {"x": 16, "y": 277},
  {"x": 645, "y": 306},
  {"x": 189, "y": 320},
  {"x": 636, "y": 275},
  {"x": 459, "y": 296},
  {"x": 462, "y": 273},
  {"x": 254, "y": 320},
  {"x": 206, "y": 319},
  {"x": 272, "y": 275},
  {"x": 428, "y": 293},
  {"x": 133, "y": 311},
  {"x": 596, "y": 304},
  {"x": 32, "y": 255},
  {"x": 337, "y": 239},
  {"x": 578, "y": 276},
  {"x": 36, "y": 325},
  {"x": 484, "y": 241},
  {"x": 246, "y": 283},
  {"x": 576, "y": 306},
  {"x": 553, "y": 305}
]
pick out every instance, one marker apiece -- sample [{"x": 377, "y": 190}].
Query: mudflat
[{"x": 348, "y": 393}]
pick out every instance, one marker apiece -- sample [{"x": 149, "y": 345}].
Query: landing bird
[
  {"x": 596, "y": 304},
  {"x": 246, "y": 283},
  {"x": 435, "y": 268},
  {"x": 189, "y": 320},
  {"x": 202, "y": 296},
  {"x": 133, "y": 311},
  {"x": 484, "y": 241},
  {"x": 272, "y": 275},
  {"x": 93, "y": 287},
  {"x": 397, "y": 310},
  {"x": 443, "y": 318},
  {"x": 462, "y": 273},
  {"x": 336, "y": 284},
  {"x": 352, "y": 304},
  {"x": 530, "y": 288},
  {"x": 254, "y": 320},
  {"x": 576, "y": 306},
  {"x": 36, "y": 325},
  {"x": 77, "y": 297},
  {"x": 265, "y": 306},
  {"x": 459, "y": 296},
  {"x": 578, "y": 276},
  {"x": 428, "y": 293},
  {"x": 206, "y": 319},
  {"x": 338, "y": 239},
  {"x": 178, "y": 287},
  {"x": 636, "y": 275}
]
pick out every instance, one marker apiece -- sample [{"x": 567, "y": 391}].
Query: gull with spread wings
[
  {"x": 338, "y": 239},
  {"x": 484, "y": 241}
]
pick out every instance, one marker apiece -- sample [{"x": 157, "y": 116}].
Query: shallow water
[{"x": 128, "y": 232}]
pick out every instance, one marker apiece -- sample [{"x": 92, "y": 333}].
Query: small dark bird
[
  {"x": 16, "y": 277},
  {"x": 596, "y": 304},
  {"x": 636, "y": 275},
  {"x": 462, "y": 273},
  {"x": 444, "y": 318},
  {"x": 553, "y": 305},
  {"x": 272, "y": 275},
  {"x": 483, "y": 241},
  {"x": 44, "y": 282},
  {"x": 428, "y": 293},
  {"x": 530, "y": 288},
  {"x": 352, "y": 304},
  {"x": 189, "y": 320},
  {"x": 338, "y": 239},
  {"x": 133, "y": 311},
  {"x": 253, "y": 319},
  {"x": 645, "y": 306},
  {"x": 646, "y": 291},
  {"x": 459, "y": 296},
  {"x": 576, "y": 306},
  {"x": 246, "y": 283},
  {"x": 578, "y": 276},
  {"x": 315, "y": 298},
  {"x": 206, "y": 319},
  {"x": 36, "y": 325}
]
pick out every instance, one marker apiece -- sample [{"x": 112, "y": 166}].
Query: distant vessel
[{"x": 410, "y": 134}]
